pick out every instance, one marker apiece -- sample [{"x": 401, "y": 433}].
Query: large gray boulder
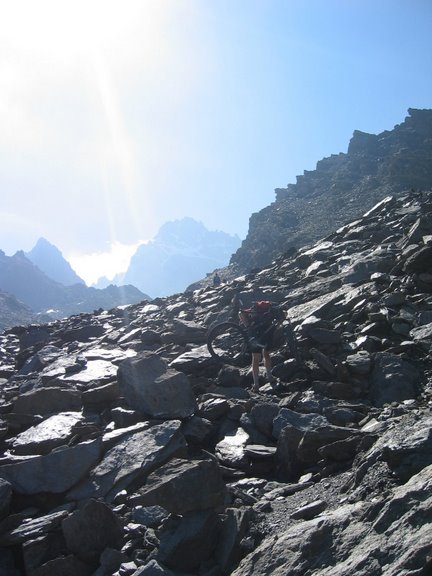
[
  {"x": 150, "y": 387},
  {"x": 183, "y": 486},
  {"x": 131, "y": 458},
  {"x": 56, "y": 472},
  {"x": 91, "y": 529},
  {"x": 393, "y": 379}
]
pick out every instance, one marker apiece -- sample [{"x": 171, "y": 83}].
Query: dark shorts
[{"x": 261, "y": 339}]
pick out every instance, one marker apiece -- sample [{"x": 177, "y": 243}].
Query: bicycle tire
[
  {"x": 228, "y": 343},
  {"x": 291, "y": 342}
]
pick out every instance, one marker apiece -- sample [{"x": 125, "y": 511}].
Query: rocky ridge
[
  {"x": 340, "y": 189},
  {"x": 128, "y": 450}
]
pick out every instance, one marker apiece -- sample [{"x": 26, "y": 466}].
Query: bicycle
[{"x": 230, "y": 343}]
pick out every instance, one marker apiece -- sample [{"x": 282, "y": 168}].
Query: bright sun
[{"x": 68, "y": 30}]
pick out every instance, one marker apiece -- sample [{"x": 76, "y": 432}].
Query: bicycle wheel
[
  {"x": 228, "y": 342},
  {"x": 291, "y": 342}
]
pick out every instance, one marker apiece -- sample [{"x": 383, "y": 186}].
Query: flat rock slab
[
  {"x": 192, "y": 360},
  {"x": 55, "y": 472},
  {"x": 309, "y": 511},
  {"x": 258, "y": 451},
  {"x": 50, "y": 433},
  {"x": 133, "y": 456},
  {"x": 32, "y": 528},
  {"x": 302, "y": 422},
  {"x": 422, "y": 333},
  {"x": 182, "y": 486},
  {"x": 95, "y": 371},
  {"x": 114, "y": 355}
]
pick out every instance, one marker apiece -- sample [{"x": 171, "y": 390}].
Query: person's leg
[
  {"x": 268, "y": 364},
  {"x": 256, "y": 357}
]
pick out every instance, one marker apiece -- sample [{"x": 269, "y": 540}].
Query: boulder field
[{"x": 127, "y": 450}]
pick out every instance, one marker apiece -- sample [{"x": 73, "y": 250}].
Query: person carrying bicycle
[{"x": 261, "y": 321}]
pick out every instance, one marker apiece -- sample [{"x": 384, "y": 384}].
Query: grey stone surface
[
  {"x": 153, "y": 389},
  {"x": 326, "y": 470}
]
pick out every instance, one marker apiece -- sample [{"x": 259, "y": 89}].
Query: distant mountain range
[
  {"x": 182, "y": 252},
  {"x": 28, "y": 292},
  {"x": 15, "y": 313},
  {"x": 42, "y": 282}
]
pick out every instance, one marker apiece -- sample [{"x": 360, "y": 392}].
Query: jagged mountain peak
[
  {"x": 50, "y": 260},
  {"x": 183, "y": 251}
]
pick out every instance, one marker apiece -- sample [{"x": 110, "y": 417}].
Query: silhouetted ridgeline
[
  {"x": 340, "y": 189},
  {"x": 49, "y": 259},
  {"x": 127, "y": 450}
]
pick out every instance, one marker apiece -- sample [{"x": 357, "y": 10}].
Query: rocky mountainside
[
  {"x": 50, "y": 260},
  {"x": 15, "y": 313},
  {"x": 126, "y": 449},
  {"x": 33, "y": 288},
  {"x": 182, "y": 252},
  {"x": 340, "y": 189}
]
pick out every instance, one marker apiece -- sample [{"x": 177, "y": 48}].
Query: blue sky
[{"x": 118, "y": 116}]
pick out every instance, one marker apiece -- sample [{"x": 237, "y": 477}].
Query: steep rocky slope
[
  {"x": 128, "y": 450},
  {"x": 340, "y": 189},
  {"x": 14, "y": 313}
]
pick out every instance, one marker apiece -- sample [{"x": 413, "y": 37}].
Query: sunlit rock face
[{"x": 126, "y": 448}]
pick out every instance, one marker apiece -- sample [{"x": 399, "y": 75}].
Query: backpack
[{"x": 263, "y": 312}]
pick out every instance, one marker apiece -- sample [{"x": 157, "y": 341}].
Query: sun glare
[
  {"x": 87, "y": 91},
  {"x": 65, "y": 30}
]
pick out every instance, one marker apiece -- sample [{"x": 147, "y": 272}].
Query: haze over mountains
[
  {"x": 182, "y": 252},
  {"x": 41, "y": 281},
  {"x": 35, "y": 292}
]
